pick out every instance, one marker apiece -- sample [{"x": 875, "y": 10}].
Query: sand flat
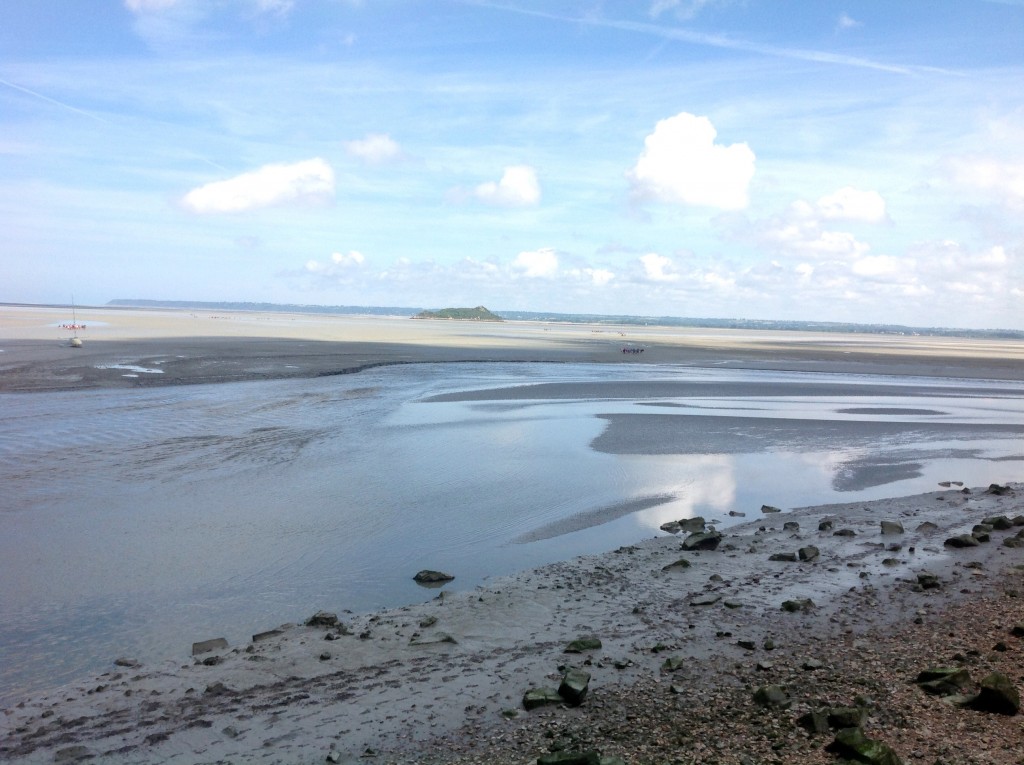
[{"x": 202, "y": 347}]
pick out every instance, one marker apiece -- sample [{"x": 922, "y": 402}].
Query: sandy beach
[{"x": 838, "y": 606}]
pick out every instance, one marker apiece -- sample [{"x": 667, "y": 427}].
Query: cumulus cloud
[
  {"x": 518, "y": 187},
  {"x": 311, "y": 180},
  {"x": 681, "y": 163},
  {"x": 658, "y": 268},
  {"x": 1002, "y": 178},
  {"x": 541, "y": 263},
  {"x": 853, "y": 205},
  {"x": 341, "y": 267},
  {"x": 374, "y": 149}
]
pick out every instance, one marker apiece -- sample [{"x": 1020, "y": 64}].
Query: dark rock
[
  {"x": 678, "y": 565},
  {"x": 125, "y": 662},
  {"x": 569, "y": 758},
  {"x": 770, "y": 509},
  {"x": 892, "y": 527},
  {"x": 738, "y": 514},
  {"x": 672, "y": 664},
  {"x": 808, "y": 553},
  {"x": 799, "y": 604},
  {"x": 998, "y": 694},
  {"x": 998, "y": 490},
  {"x": 998, "y": 522},
  {"x": 844, "y": 533},
  {"x": 791, "y": 526},
  {"x": 539, "y": 697},
  {"x": 961, "y": 541},
  {"x": 705, "y": 600},
  {"x": 205, "y": 646},
  {"x": 815, "y": 721},
  {"x": 436, "y": 639},
  {"x": 322, "y": 619},
  {"x": 826, "y": 526},
  {"x": 574, "y": 686},
  {"x": 672, "y": 527},
  {"x": 212, "y": 661},
  {"x": 259, "y": 637},
  {"x": 579, "y": 645},
  {"x": 812, "y": 664},
  {"x": 1017, "y": 630},
  {"x": 748, "y": 645},
  {"x": 928, "y": 581},
  {"x": 981, "y": 535},
  {"x": 325, "y": 656},
  {"x": 927, "y": 527},
  {"x": 426, "y": 576},
  {"x": 852, "y": 744},
  {"x": 772, "y": 696},
  {"x": 1013, "y": 542},
  {"x": 702, "y": 540},
  {"x": 783, "y": 557},
  {"x": 696, "y": 523},
  {"x": 846, "y": 717},
  {"x": 943, "y": 681},
  {"x": 218, "y": 689}
]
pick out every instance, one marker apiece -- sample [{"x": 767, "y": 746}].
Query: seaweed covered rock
[{"x": 852, "y": 744}]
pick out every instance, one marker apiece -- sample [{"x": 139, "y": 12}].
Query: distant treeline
[{"x": 583, "y": 318}]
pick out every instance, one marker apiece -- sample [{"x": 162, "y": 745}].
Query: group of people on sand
[{"x": 632, "y": 350}]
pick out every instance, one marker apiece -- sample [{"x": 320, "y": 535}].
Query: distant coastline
[{"x": 585, "y": 318}]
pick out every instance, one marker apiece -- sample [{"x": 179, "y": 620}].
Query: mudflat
[
  {"x": 136, "y": 347},
  {"x": 820, "y": 608}
]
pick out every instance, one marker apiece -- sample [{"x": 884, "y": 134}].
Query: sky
[{"x": 856, "y": 161}]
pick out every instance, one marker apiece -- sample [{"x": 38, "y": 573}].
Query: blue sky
[{"x": 838, "y": 161}]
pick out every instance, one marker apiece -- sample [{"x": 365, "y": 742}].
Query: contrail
[
  {"x": 718, "y": 41},
  {"x": 55, "y": 102}
]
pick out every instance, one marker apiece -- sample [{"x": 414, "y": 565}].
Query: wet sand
[
  {"x": 443, "y": 681},
  {"x": 134, "y": 348}
]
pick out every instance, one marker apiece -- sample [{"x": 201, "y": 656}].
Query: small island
[{"x": 462, "y": 314}]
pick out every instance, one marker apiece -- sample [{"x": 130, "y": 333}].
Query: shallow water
[{"x": 134, "y": 522}]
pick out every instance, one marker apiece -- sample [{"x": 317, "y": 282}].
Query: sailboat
[{"x": 74, "y": 326}]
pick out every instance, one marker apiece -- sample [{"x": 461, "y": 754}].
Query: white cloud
[
  {"x": 658, "y": 268},
  {"x": 885, "y": 268},
  {"x": 306, "y": 181},
  {"x": 851, "y": 204},
  {"x": 374, "y": 149},
  {"x": 536, "y": 263},
  {"x": 518, "y": 187},
  {"x": 681, "y": 163},
  {"x": 342, "y": 266},
  {"x": 1001, "y": 177},
  {"x": 848, "y": 22}
]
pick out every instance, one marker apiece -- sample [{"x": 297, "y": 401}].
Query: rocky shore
[{"x": 808, "y": 635}]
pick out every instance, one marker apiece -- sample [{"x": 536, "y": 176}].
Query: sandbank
[{"x": 125, "y": 347}]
